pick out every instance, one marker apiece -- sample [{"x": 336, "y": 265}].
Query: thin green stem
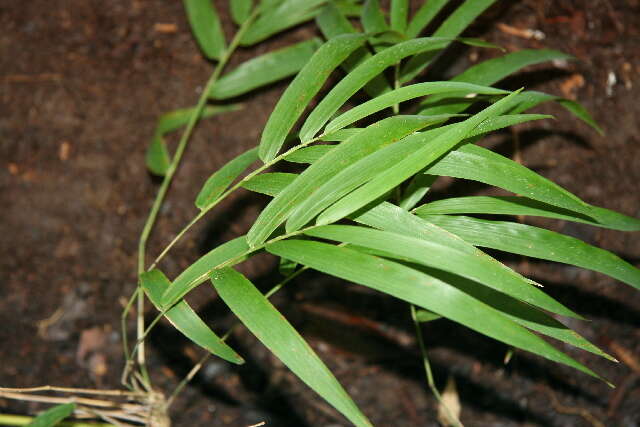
[
  {"x": 166, "y": 182},
  {"x": 427, "y": 369},
  {"x": 224, "y": 195}
]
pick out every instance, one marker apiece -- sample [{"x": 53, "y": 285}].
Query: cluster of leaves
[{"x": 357, "y": 209}]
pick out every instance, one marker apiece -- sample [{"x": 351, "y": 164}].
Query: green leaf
[
  {"x": 197, "y": 273},
  {"x": 303, "y": 88},
  {"x": 157, "y": 157},
  {"x": 452, "y": 27},
  {"x": 205, "y": 25},
  {"x": 520, "y": 312},
  {"x": 350, "y": 8},
  {"x": 309, "y": 154},
  {"x": 538, "y": 243},
  {"x": 223, "y": 177},
  {"x": 399, "y": 14},
  {"x": 404, "y": 94},
  {"x": 372, "y": 17},
  {"x": 240, "y": 10},
  {"x": 388, "y": 217},
  {"x": 424, "y": 16},
  {"x": 354, "y": 175},
  {"x": 510, "y": 205},
  {"x": 424, "y": 316},
  {"x": 275, "y": 18},
  {"x": 479, "y": 164},
  {"x": 340, "y": 135},
  {"x": 332, "y": 23},
  {"x": 271, "y": 184},
  {"x": 265, "y": 69},
  {"x": 531, "y": 99},
  {"x": 357, "y": 78},
  {"x": 358, "y": 146},
  {"x": 276, "y": 333},
  {"x": 420, "y": 289},
  {"x": 441, "y": 252},
  {"x": 184, "y": 319},
  {"x": 489, "y": 72},
  {"x": 53, "y": 415},
  {"x": 416, "y": 190},
  {"x": 409, "y": 166}
]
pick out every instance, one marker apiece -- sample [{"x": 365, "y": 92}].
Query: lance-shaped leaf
[
  {"x": 513, "y": 205},
  {"x": 302, "y": 89},
  {"x": 265, "y": 69},
  {"x": 332, "y": 22},
  {"x": 278, "y": 17},
  {"x": 471, "y": 264},
  {"x": 205, "y": 25},
  {"x": 538, "y": 243},
  {"x": 531, "y": 99},
  {"x": 424, "y": 16},
  {"x": 404, "y": 94},
  {"x": 240, "y": 10},
  {"x": 276, "y": 333},
  {"x": 223, "y": 177},
  {"x": 411, "y": 165},
  {"x": 372, "y": 17},
  {"x": 452, "y": 27},
  {"x": 358, "y": 146},
  {"x": 157, "y": 157},
  {"x": 270, "y": 184},
  {"x": 52, "y": 416},
  {"x": 367, "y": 168},
  {"x": 357, "y": 78},
  {"x": 354, "y": 175},
  {"x": 480, "y": 164},
  {"x": 420, "y": 289},
  {"x": 388, "y": 217},
  {"x": 184, "y": 319},
  {"x": 230, "y": 252},
  {"x": 520, "y": 312},
  {"x": 399, "y": 14},
  {"x": 493, "y": 70}
]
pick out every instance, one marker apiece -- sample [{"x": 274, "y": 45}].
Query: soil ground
[{"x": 82, "y": 84}]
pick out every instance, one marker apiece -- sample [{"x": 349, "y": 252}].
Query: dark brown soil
[{"x": 83, "y": 83}]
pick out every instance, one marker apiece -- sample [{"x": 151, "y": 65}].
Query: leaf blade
[
  {"x": 425, "y": 291},
  {"x": 53, "y": 415},
  {"x": 362, "y": 74},
  {"x": 184, "y": 319},
  {"x": 538, "y": 243},
  {"x": 198, "y": 272},
  {"x": 404, "y": 94},
  {"x": 404, "y": 169},
  {"x": 223, "y": 177},
  {"x": 358, "y": 146},
  {"x": 205, "y": 25},
  {"x": 304, "y": 87},
  {"x": 469, "y": 263},
  {"x": 276, "y": 333},
  {"x": 265, "y": 69},
  {"x": 516, "y": 205}
]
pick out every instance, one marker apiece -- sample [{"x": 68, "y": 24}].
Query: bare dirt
[{"x": 82, "y": 84}]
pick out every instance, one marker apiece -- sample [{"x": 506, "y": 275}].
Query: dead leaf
[{"x": 449, "y": 407}]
